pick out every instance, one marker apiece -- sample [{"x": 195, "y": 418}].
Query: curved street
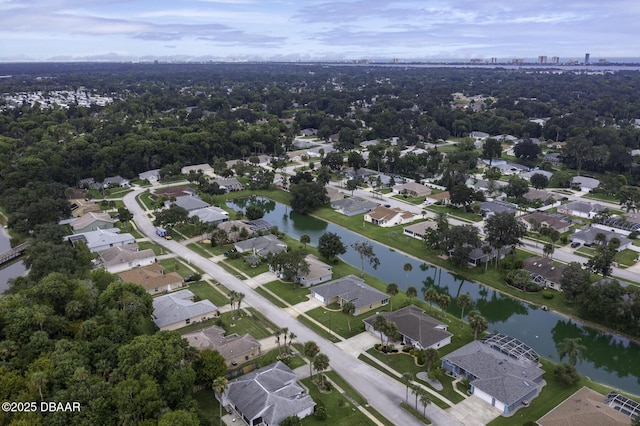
[{"x": 383, "y": 393}]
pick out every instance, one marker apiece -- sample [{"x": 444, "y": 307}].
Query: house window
[
  {"x": 155, "y": 289},
  {"x": 188, "y": 321}
]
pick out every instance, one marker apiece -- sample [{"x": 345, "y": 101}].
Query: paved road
[{"x": 383, "y": 393}]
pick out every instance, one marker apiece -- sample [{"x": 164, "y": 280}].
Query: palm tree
[
  {"x": 425, "y": 401},
  {"x": 277, "y": 333},
  {"x": 239, "y": 297},
  {"x": 233, "y": 297},
  {"x": 305, "y": 239},
  {"x": 349, "y": 309},
  {"x": 430, "y": 356},
  {"x": 408, "y": 267},
  {"x": 285, "y": 332},
  {"x": 430, "y": 295},
  {"x": 464, "y": 301},
  {"x": 380, "y": 325},
  {"x": 477, "y": 322},
  {"x": 321, "y": 363},
  {"x": 572, "y": 349},
  {"x": 406, "y": 379},
  {"x": 416, "y": 390},
  {"x": 411, "y": 292},
  {"x": 39, "y": 378},
  {"x": 392, "y": 290},
  {"x": 220, "y": 386},
  {"x": 444, "y": 301},
  {"x": 292, "y": 336},
  {"x": 310, "y": 351}
]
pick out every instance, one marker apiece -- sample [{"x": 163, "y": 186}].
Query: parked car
[
  {"x": 228, "y": 252},
  {"x": 575, "y": 244}
]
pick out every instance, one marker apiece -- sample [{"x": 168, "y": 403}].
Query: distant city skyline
[{"x": 317, "y": 30}]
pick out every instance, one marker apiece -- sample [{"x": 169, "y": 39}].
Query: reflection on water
[
  {"x": 539, "y": 329},
  {"x": 9, "y": 270}
]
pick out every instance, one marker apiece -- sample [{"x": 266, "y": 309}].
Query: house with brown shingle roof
[
  {"x": 233, "y": 348},
  {"x": 536, "y": 219},
  {"x": 120, "y": 258},
  {"x": 412, "y": 189},
  {"x": 440, "y": 197},
  {"x": 152, "y": 278},
  {"x": 585, "y": 407},
  {"x": 92, "y": 221},
  {"x": 385, "y": 216}
]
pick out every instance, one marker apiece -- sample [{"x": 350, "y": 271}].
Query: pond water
[
  {"x": 609, "y": 359},
  {"x": 11, "y": 269}
]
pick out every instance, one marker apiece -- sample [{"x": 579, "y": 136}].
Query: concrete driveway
[
  {"x": 358, "y": 344},
  {"x": 473, "y": 412}
]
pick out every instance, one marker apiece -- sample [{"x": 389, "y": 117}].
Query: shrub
[
  {"x": 321, "y": 412},
  {"x": 547, "y": 294}
]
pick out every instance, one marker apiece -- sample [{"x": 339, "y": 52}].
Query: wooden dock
[{"x": 14, "y": 252}]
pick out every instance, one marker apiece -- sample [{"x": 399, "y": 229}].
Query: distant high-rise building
[
  {"x": 555, "y": 60},
  {"x": 494, "y": 60},
  {"x": 586, "y": 58},
  {"x": 517, "y": 61},
  {"x": 542, "y": 59}
]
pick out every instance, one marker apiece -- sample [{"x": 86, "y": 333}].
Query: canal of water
[
  {"x": 609, "y": 359},
  {"x": 12, "y": 269}
]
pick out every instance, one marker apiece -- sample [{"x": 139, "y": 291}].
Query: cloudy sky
[{"x": 317, "y": 29}]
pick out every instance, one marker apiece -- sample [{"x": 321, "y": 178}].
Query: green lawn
[
  {"x": 175, "y": 265},
  {"x": 340, "y": 411},
  {"x": 286, "y": 291},
  {"x": 338, "y": 322},
  {"x": 117, "y": 192},
  {"x": 454, "y": 212},
  {"x": 245, "y": 324},
  {"x": 626, "y": 257},
  {"x": 416, "y": 413},
  {"x": 145, "y": 200},
  {"x": 269, "y": 297},
  {"x": 601, "y": 197},
  {"x": 321, "y": 331},
  {"x": 208, "y": 406},
  {"x": 204, "y": 290},
  {"x": 411, "y": 200},
  {"x": 157, "y": 250},
  {"x": 241, "y": 264}
]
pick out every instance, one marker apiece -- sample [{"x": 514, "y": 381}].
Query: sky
[{"x": 294, "y": 30}]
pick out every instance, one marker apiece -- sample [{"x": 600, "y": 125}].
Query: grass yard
[
  {"x": 264, "y": 293},
  {"x": 339, "y": 322},
  {"x": 601, "y": 197},
  {"x": 208, "y": 406},
  {"x": 242, "y": 265},
  {"x": 411, "y": 200},
  {"x": 626, "y": 257},
  {"x": 203, "y": 290},
  {"x": 157, "y": 250},
  {"x": 245, "y": 324},
  {"x": 416, "y": 413},
  {"x": 117, "y": 192},
  {"x": 454, "y": 212},
  {"x": 340, "y": 411},
  {"x": 145, "y": 200},
  {"x": 321, "y": 331},
  {"x": 286, "y": 291},
  {"x": 175, "y": 265}
]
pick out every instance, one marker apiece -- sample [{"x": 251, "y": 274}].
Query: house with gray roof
[
  {"x": 188, "y": 202},
  {"x": 529, "y": 174},
  {"x": 412, "y": 189},
  {"x": 150, "y": 175},
  {"x": 585, "y": 209},
  {"x": 267, "y": 396},
  {"x": 210, "y": 214},
  {"x": 234, "y": 349},
  {"x": 229, "y": 184},
  {"x": 418, "y": 230},
  {"x": 588, "y": 237},
  {"x": 353, "y": 206},
  {"x": 500, "y": 375},
  {"x": 262, "y": 245},
  {"x": 350, "y": 289},
  {"x": 537, "y": 219},
  {"x": 553, "y": 158},
  {"x": 92, "y": 221},
  {"x": 102, "y": 239},
  {"x": 319, "y": 272},
  {"x": 542, "y": 196},
  {"x": 584, "y": 184},
  {"x": 115, "y": 181},
  {"x": 198, "y": 168},
  {"x": 121, "y": 258},
  {"x": 489, "y": 208},
  {"x": 176, "y": 310},
  {"x": 512, "y": 168},
  {"x": 416, "y": 328},
  {"x": 544, "y": 271}
]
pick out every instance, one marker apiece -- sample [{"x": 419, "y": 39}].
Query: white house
[{"x": 385, "y": 216}]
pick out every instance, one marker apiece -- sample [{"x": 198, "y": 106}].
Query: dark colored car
[{"x": 575, "y": 244}]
